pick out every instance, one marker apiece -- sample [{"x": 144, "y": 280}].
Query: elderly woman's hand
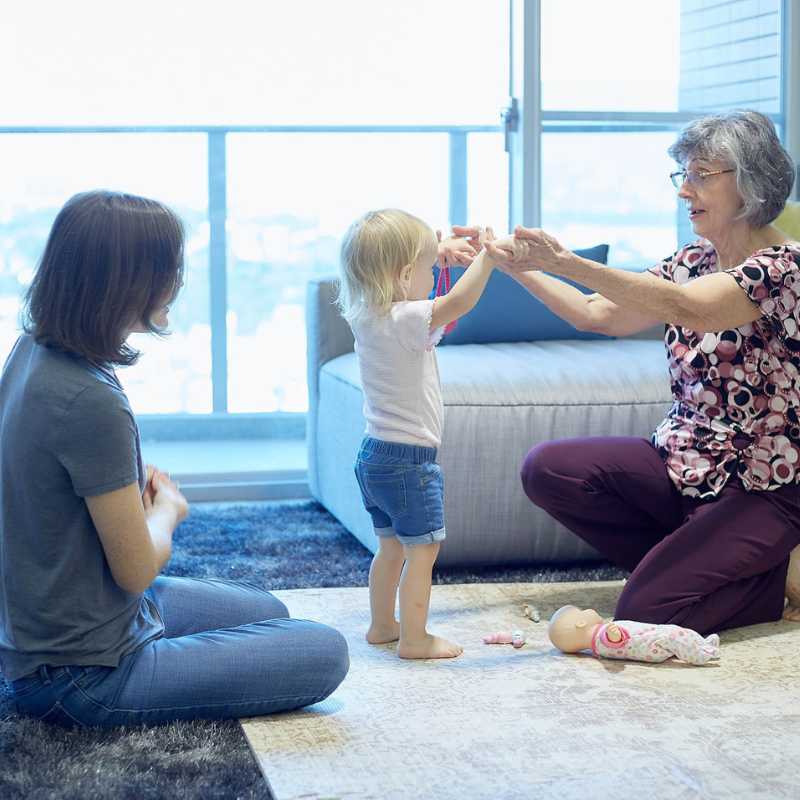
[
  {"x": 527, "y": 249},
  {"x": 535, "y": 249},
  {"x": 512, "y": 255}
]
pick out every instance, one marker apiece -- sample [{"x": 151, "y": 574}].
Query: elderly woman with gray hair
[{"x": 705, "y": 514}]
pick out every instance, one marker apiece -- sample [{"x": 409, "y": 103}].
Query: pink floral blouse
[{"x": 736, "y": 408}]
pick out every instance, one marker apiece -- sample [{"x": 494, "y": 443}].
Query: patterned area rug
[
  {"x": 533, "y": 723},
  {"x": 283, "y": 545}
]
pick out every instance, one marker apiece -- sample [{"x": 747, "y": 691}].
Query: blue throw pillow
[{"x": 507, "y": 312}]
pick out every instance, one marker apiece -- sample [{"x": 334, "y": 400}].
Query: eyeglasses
[{"x": 695, "y": 178}]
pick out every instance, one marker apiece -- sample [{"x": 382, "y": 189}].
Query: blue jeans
[
  {"x": 228, "y": 650},
  {"x": 402, "y": 489}
]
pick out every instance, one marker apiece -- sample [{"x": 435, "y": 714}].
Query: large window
[
  {"x": 621, "y": 56},
  {"x": 609, "y": 115},
  {"x": 269, "y": 127},
  {"x": 284, "y": 227},
  {"x": 40, "y": 171}
]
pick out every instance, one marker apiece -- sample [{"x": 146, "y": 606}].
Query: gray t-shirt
[{"x": 66, "y": 432}]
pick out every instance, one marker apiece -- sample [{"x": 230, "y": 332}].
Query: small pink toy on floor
[
  {"x": 572, "y": 630},
  {"x": 515, "y": 638}
]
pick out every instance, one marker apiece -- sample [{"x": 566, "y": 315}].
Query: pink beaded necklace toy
[{"x": 442, "y": 288}]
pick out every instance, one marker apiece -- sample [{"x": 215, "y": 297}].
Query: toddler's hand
[
  {"x": 476, "y": 235},
  {"x": 455, "y": 251},
  {"x": 512, "y": 254}
]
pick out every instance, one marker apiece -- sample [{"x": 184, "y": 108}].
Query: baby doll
[{"x": 572, "y": 630}]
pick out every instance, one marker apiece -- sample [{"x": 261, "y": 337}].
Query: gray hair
[{"x": 747, "y": 142}]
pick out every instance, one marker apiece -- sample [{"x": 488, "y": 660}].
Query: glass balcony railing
[{"x": 264, "y": 209}]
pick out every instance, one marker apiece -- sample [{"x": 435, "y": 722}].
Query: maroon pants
[{"x": 703, "y": 564}]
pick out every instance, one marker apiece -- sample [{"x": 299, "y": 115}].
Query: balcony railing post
[
  {"x": 217, "y": 265},
  {"x": 458, "y": 178}
]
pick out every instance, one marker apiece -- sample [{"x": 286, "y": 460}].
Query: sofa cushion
[
  {"x": 500, "y": 400},
  {"x": 507, "y": 312},
  {"x": 556, "y": 373}
]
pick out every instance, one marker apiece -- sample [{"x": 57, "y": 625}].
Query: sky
[{"x": 176, "y": 62}]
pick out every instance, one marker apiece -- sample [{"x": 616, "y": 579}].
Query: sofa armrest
[{"x": 327, "y": 336}]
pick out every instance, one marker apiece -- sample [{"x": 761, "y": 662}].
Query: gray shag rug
[{"x": 285, "y": 545}]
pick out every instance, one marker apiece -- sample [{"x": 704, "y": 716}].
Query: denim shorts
[{"x": 402, "y": 489}]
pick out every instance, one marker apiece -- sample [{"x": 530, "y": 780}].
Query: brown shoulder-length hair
[{"x": 111, "y": 261}]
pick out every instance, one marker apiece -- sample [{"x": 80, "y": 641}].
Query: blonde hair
[{"x": 375, "y": 249}]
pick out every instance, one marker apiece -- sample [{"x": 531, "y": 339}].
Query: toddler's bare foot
[
  {"x": 792, "y": 610},
  {"x": 381, "y": 634},
  {"x": 429, "y": 647}
]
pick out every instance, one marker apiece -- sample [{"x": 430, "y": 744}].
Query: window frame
[
  {"x": 524, "y": 122},
  {"x": 239, "y": 425},
  {"x": 527, "y": 122}
]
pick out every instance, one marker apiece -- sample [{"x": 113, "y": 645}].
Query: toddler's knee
[
  {"x": 424, "y": 553},
  {"x": 389, "y": 549}
]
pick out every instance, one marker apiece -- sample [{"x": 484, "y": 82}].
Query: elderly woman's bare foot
[
  {"x": 791, "y": 613},
  {"x": 792, "y": 609}
]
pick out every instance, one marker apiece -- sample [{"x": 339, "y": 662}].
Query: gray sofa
[{"x": 500, "y": 399}]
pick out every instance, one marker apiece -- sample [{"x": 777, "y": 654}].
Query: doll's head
[
  {"x": 386, "y": 256},
  {"x": 571, "y": 628}
]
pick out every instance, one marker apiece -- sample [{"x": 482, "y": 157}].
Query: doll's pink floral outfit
[{"x": 643, "y": 641}]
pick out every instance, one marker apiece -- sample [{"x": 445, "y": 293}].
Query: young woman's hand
[
  {"x": 149, "y": 492},
  {"x": 167, "y": 496},
  {"x": 135, "y": 528}
]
